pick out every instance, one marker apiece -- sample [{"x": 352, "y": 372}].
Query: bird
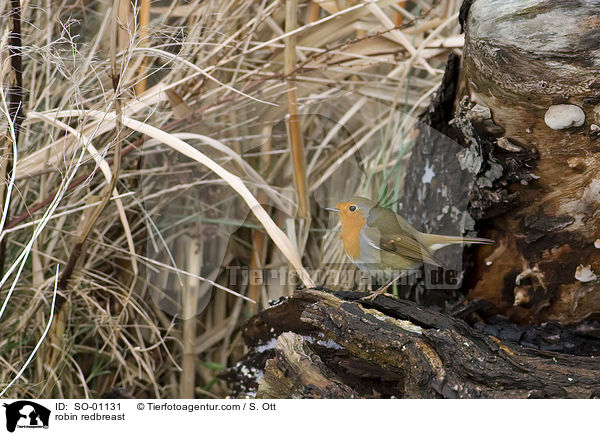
[{"x": 379, "y": 241}]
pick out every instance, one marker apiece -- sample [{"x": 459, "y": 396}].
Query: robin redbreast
[{"x": 381, "y": 242}]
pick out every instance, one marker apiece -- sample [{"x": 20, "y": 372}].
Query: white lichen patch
[
  {"x": 585, "y": 273},
  {"x": 429, "y": 173},
  {"x": 409, "y": 326},
  {"x": 267, "y": 346},
  {"x": 404, "y": 324},
  {"x": 562, "y": 116},
  {"x": 470, "y": 160},
  {"x": 597, "y": 243},
  {"x": 249, "y": 372},
  {"x": 329, "y": 343}
]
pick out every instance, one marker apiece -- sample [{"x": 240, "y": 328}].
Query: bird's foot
[
  {"x": 373, "y": 295},
  {"x": 380, "y": 291}
]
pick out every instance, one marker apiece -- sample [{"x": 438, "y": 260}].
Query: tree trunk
[
  {"x": 524, "y": 110},
  {"x": 317, "y": 344}
]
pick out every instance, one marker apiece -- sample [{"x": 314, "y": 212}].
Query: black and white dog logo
[{"x": 26, "y": 414}]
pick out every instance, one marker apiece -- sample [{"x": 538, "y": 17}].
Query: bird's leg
[{"x": 381, "y": 290}]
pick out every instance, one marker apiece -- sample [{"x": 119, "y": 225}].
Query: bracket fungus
[
  {"x": 585, "y": 274},
  {"x": 562, "y": 116}
]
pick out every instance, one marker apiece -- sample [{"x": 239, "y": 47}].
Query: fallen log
[{"x": 325, "y": 344}]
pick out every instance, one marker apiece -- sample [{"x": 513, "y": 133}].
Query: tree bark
[
  {"x": 332, "y": 345},
  {"x": 532, "y": 188}
]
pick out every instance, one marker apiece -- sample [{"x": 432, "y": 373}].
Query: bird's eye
[{"x": 352, "y": 208}]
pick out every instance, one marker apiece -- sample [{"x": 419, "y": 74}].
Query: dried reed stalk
[
  {"x": 144, "y": 24},
  {"x": 294, "y": 127}
]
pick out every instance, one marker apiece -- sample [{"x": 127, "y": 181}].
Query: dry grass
[{"x": 194, "y": 101}]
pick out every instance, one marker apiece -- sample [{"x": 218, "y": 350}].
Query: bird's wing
[{"x": 399, "y": 237}]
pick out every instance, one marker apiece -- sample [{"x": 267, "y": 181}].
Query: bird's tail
[{"x": 435, "y": 241}]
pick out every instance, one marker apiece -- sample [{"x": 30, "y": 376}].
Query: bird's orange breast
[{"x": 350, "y": 235}]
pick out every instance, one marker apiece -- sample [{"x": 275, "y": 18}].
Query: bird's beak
[{"x": 333, "y": 210}]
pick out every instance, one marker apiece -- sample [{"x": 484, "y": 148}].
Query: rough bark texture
[
  {"x": 332, "y": 345},
  {"x": 533, "y": 189}
]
